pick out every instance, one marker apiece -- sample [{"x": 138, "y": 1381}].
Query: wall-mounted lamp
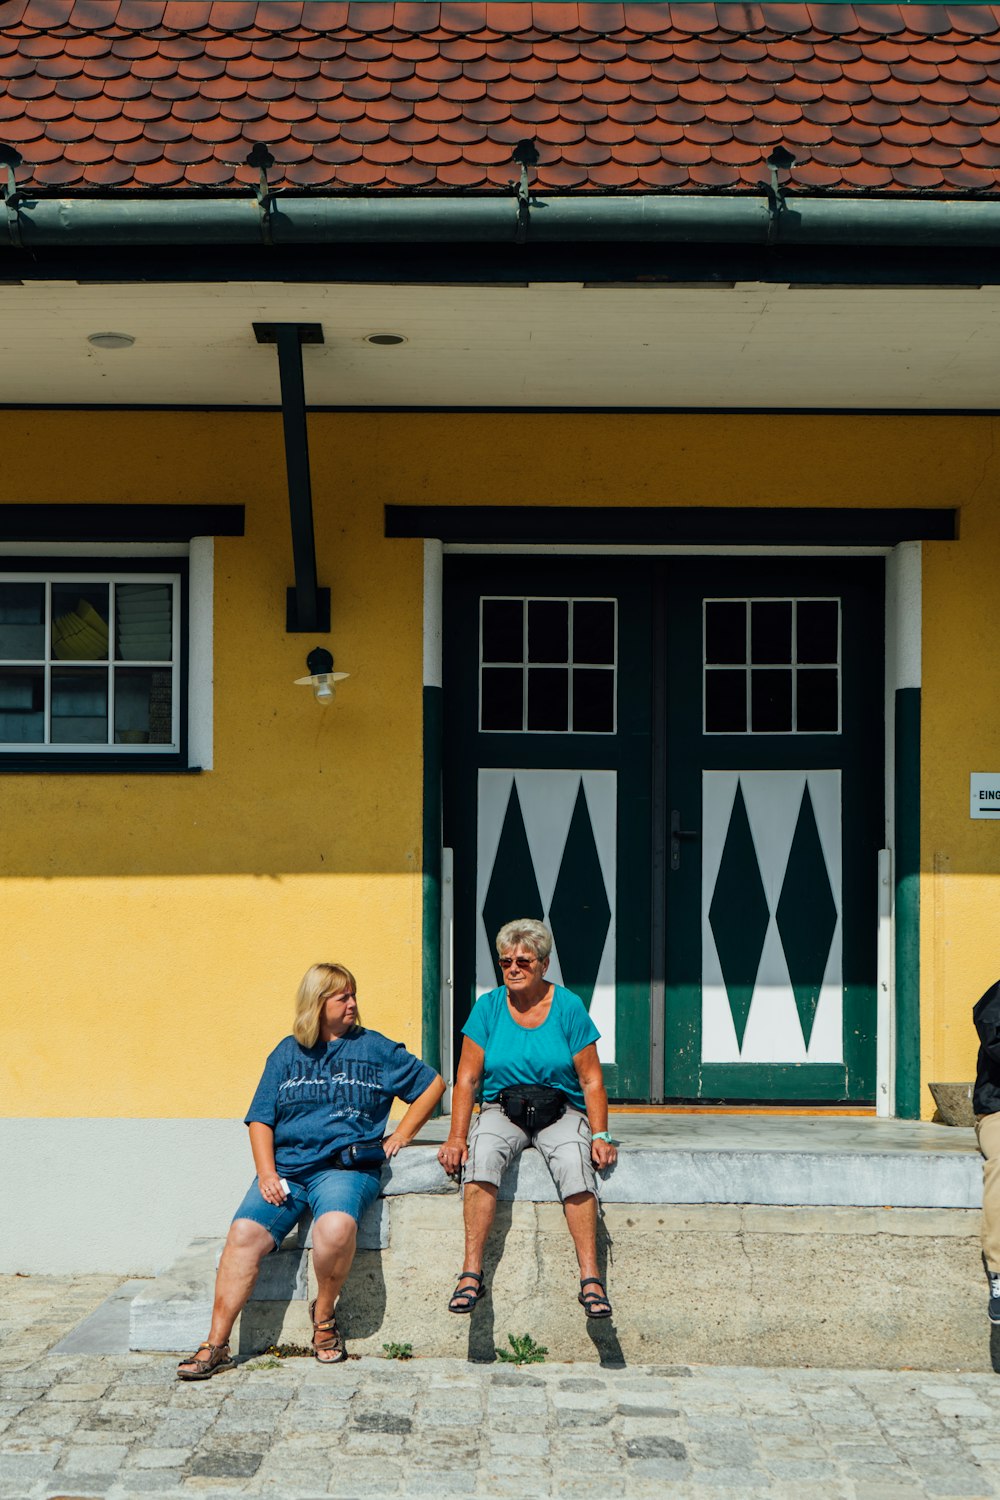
[{"x": 322, "y": 678}]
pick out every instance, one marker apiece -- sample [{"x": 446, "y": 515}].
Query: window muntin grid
[
  {"x": 772, "y": 665},
  {"x": 547, "y": 665},
  {"x": 90, "y": 662}
]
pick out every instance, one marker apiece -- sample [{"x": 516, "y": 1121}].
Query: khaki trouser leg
[{"x": 988, "y": 1136}]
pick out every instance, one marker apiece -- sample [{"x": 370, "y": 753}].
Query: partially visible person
[
  {"x": 532, "y": 1047},
  {"x": 316, "y": 1123},
  {"x": 986, "y": 1103}
]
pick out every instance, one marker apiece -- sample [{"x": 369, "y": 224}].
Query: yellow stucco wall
[{"x": 158, "y": 925}]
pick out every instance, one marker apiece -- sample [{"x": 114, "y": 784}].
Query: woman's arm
[
  {"x": 262, "y": 1146},
  {"x": 454, "y": 1153},
  {"x": 416, "y": 1117},
  {"x": 588, "y": 1070}
]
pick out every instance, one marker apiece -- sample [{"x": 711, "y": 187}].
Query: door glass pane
[
  {"x": 144, "y": 619},
  {"x": 502, "y": 706},
  {"x": 80, "y": 621},
  {"x": 725, "y": 631},
  {"x": 22, "y": 621},
  {"x": 594, "y": 630},
  {"x": 726, "y": 702},
  {"x": 79, "y": 706},
  {"x": 818, "y": 630},
  {"x": 770, "y": 702},
  {"x": 142, "y": 706},
  {"x": 548, "y": 630},
  {"x": 771, "y": 630},
  {"x": 818, "y": 708},
  {"x": 593, "y": 701},
  {"x": 22, "y": 705},
  {"x": 503, "y": 630},
  {"x": 548, "y": 698}
]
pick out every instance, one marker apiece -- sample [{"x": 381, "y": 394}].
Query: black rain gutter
[{"x": 29, "y": 223}]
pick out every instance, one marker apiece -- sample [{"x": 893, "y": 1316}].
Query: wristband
[{"x": 602, "y": 1135}]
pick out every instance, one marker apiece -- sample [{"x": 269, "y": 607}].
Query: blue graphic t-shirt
[
  {"x": 320, "y": 1099},
  {"x": 542, "y": 1054}
]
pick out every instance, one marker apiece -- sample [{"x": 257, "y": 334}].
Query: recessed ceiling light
[
  {"x": 384, "y": 338},
  {"x": 111, "y": 340}
]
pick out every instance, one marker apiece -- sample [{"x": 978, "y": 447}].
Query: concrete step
[
  {"x": 727, "y": 1239},
  {"x": 848, "y": 1242},
  {"x": 717, "y": 1284}
]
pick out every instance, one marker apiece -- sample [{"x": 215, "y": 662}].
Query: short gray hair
[{"x": 525, "y": 932}]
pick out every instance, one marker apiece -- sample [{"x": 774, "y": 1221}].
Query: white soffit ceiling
[{"x": 541, "y": 345}]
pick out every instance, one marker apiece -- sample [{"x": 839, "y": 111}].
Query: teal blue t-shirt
[{"x": 543, "y": 1054}]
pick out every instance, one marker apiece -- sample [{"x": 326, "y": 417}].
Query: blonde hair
[
  {"x": 525, "y": 932},
  {"x": 318, "y": 983}
]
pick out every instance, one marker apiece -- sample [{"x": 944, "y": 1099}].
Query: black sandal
[
  {"x": 591, "y": 1301},
  {"x": 464, "y": 1302},
  {"x": 219, "y": 1359}
]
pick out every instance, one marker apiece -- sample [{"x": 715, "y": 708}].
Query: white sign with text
[{"x": 984, "y": 794}]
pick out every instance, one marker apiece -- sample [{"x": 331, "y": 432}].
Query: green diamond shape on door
[
  {"x": 513, "y": 889},
  {"x": 739, "y": 914},
  {"x": 580, "y": 914},
  {"x": 806, "y": 915}
]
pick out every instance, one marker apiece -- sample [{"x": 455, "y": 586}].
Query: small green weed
[
  {"x": 267, "y": 1363},
  {"x": 398, "y": 1351},
  {"x": 522, "y": 1351}
]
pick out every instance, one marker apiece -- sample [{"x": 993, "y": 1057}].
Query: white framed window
[
  {"x": 772, "y": 666},
  {"x": 93, "y": 660},
  {"x": 547, "y": 665}
]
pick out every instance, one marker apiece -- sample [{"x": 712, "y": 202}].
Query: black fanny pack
[
  {"x": 532, "y": 1105},
  {"x": 362, "y": 1156}
]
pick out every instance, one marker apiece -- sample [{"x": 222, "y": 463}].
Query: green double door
[{"x": 678, "y": 765}]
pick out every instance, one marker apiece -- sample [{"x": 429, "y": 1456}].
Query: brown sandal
[
  {"x": 219, "y": 1359},
  {"x": 334, "y": 1346}
]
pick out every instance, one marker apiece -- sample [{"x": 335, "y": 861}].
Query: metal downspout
[{"x": 307, "y": 606}]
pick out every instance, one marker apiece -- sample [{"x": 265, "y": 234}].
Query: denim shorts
[{"x": 322, "y": 1192}]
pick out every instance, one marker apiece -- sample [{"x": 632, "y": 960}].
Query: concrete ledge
[{"x": 719, "y": 1284}]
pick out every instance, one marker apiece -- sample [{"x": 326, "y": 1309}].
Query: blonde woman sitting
[{"x": 317, "y": 1123}]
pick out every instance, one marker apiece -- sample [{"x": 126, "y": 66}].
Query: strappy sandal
[
  {"x": 464, "y": 1302},
  {"x": 332, "y": 1352},
  {"x": 592, "y": 1301},
  {"x": 219, "y": 1359}
]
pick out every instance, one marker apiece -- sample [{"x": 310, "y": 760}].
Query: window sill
[{"x": 84, "y": 765}]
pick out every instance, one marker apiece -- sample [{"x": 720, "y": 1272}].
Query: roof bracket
[
  {"x": 10, "y": 158},
  {"x": 780, "y": 160},
  {"x": 261, "y": 158},
  {"x": 307, "y": 608},
  {"x": 525, "y": 153}
]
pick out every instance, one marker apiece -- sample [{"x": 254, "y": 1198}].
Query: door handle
[{"x": 676, "y": 834}]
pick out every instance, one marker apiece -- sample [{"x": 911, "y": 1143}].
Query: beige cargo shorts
[{"x": 495, "y": 1141}]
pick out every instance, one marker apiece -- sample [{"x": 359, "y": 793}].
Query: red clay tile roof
[{"x": 173, "y": 94}]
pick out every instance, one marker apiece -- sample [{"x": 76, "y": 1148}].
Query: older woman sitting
[
  {"x": 532, "y": 1047},
  {"x": 316, "y": 1127}
]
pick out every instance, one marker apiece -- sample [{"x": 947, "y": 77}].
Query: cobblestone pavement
[{"x": 123, "y": 1427}]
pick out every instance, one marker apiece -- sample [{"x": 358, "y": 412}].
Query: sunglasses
[{"x": 518, "y": 963}]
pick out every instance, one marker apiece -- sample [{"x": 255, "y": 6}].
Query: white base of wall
[{"x": 115, "y": 1194}]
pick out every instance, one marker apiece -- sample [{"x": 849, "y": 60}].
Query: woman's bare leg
[
  {"x": 334, "y": 1241},
  {"x": 246, "y": 1245},
  {"x": 581, "y": 1216},
  {"x": 479, "y": 1208}
]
